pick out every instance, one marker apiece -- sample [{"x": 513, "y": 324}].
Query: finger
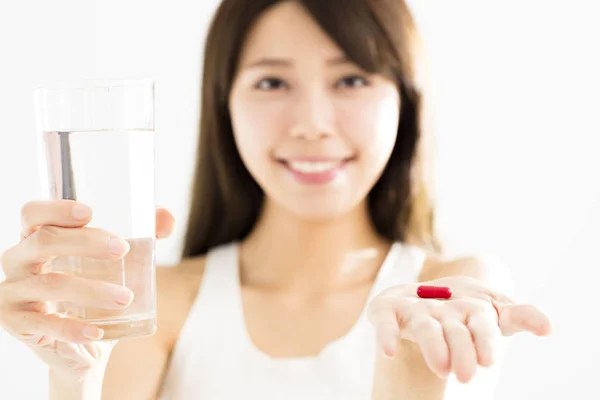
[
  {"x": 56, "y": 286},
  {"x": 486, "y": 335},
  {"x": 388, "y": 331},
  {"x": 165, "y": 222},
  {"x": 26, "y": 325},
  {"x": 389, "y": 313},
  {"x": 430, "y": 338},
  {"x": 519, "y": 318},
  {"x": 66, "y": 213},
  {"x": 76, "y": 352},
  {"x": 48, "y": 242},
  {"x": 92, "y": 350},
  {"x": 462, "y": 351}
]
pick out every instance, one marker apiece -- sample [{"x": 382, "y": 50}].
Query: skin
[{"x": 317, "y": 105}]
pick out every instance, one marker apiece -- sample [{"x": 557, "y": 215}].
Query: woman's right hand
[{"x": 53, "y": 229}]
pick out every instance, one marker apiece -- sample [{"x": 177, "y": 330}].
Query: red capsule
[{"x": 434, "y": 292}]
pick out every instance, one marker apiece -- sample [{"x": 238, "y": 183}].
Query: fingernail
[
  {"x": 123, "y": 296},
  {"x": 81, "y": 212},
  {"x": 163, "y": 233},
  {"x": 442, "y": 375},
  {"x": 117, "y": 246},
  {"x": 92, "y": 333},
  {"x": 389, "y": 351}
]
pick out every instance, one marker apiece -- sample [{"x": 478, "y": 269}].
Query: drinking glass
[{"x": 97, "y": 147}]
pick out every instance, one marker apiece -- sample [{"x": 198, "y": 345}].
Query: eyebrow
[{"x": 284, "y": 62}]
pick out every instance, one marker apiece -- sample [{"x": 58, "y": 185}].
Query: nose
[{"x": 314, "y": 116}]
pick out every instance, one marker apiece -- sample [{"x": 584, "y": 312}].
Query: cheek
[
  {"x": 371, "y": 126},
  {"x": 257, "y": 126}
]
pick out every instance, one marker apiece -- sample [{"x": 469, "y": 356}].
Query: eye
[
  {"x": 270, "y": 84},
  {"x": 352, "y": 81}
]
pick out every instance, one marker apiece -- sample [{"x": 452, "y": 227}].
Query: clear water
[{"x": 111, "y": 171}]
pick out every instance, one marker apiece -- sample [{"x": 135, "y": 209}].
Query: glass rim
[{"x": 94, "y": 83}]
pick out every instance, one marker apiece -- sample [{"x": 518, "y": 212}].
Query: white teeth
[{"x": 309, "y": 167}]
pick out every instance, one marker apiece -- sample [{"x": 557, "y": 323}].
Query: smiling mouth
[
  {"x": 314, "y": 166},
  {"x": 314, "y": 170}
]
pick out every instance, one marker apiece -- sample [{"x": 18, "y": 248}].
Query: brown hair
[{"x": 379, "y": 36}]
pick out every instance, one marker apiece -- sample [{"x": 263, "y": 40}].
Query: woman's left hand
[{"x": 454, "y": 335}]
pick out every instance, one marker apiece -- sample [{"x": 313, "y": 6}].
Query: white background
[{"x": 516, "y": 89}]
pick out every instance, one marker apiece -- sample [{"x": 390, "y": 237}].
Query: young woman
[{"x": 310, "y": 230}]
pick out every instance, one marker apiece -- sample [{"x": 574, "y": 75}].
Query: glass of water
[{"x": 97, "y": 147}]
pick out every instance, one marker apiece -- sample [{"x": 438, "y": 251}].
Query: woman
[{"x": 309, "y": 232}]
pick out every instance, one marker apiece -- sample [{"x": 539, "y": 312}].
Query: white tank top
[{"x": 215, "y": 359}]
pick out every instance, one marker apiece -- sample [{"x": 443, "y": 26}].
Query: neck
[{"x": 286, "y": 251}]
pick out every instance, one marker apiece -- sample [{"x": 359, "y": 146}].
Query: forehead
[{"x": 288, "y": 30}]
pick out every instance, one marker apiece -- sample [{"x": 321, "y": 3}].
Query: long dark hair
[{"x": 380, "y": 37}]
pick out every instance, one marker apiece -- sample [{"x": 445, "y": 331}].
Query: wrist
[
  {"x": 81, "y": 383},
  {"x": 406, "y": 376},
  {"x": 76, "y": 385}
]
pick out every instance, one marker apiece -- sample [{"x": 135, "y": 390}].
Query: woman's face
[{"x": 314, "y": 130}]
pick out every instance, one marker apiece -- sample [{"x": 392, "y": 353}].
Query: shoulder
[
  {"x": 489, "y": 270},
  {"x": 177, "y": 287}
]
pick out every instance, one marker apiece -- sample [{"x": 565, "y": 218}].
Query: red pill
[{"x": 434, "y": 292}]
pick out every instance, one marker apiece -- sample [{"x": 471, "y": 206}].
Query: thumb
[
  {"x": 515, "y": 318},
  {"x": 165, "y": 222}
]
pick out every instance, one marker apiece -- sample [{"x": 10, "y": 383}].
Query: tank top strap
[
  {"x": 201, "y": 341},
  {"x": 402, "y": 265},
  {"x": 220, "y": 280}
]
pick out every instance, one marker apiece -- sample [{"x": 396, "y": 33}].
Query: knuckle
[
  {"x": 61, "y": 326},
  {"x": 388, "y": 327},
  {"x": 4, "y": 260},
  {"x": 374, "y": 310},
  {"x": 482, "y": 320},
  {"x": 9, "y": 258},
  {"x": 51, "y": 279},
  {"x": 26, "y": 210},
  {"x": 91, "y": 237},
  {"x": 31, "y": 321},
  {"x": 403, "y": 309},
  {"x": 66, "y": 328},
  {"x": 30, "y": 340},
  {"x": 19, "y": 322},
  {"x": 37, "y": 307},
  {"x": 375, "y": 304},
  {"x": 484, "y": 342},
  {"x": 463, "y": 306},
  {"x": 453, "y": 325},
  {"x": 4, "y": 296},
  {"x": 421, "y": 324},
  {"x": 42, "y": 240},
  {"x": 87, "y": 239},
  {"x": 47, "y": 235}
]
